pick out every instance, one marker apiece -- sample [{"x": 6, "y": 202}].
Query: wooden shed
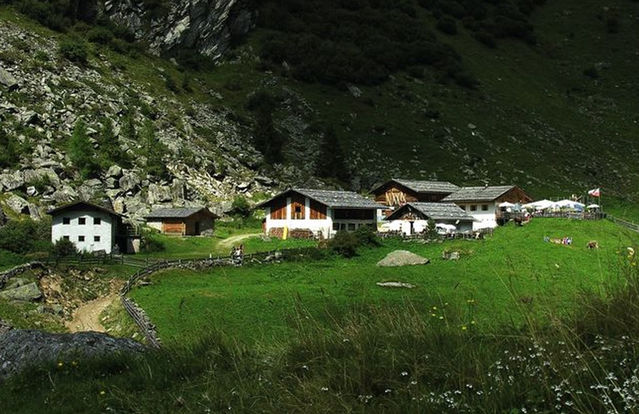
[
  {"x": 191, "y": 221},
  {"x": 397, "y": 192}
]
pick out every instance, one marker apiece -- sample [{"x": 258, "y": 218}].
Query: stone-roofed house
[
  {"x": 412, "y": 218},
  {"x": 309, "y": 212},
  {"x": 397, "y": 192},
  {"x": 185, "y": 221},
  {"x": 483, "y": 202}
]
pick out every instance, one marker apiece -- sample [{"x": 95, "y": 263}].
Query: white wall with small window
[
  {"x": 484, "y": 213},
  {"x": 90, "y": 231}
]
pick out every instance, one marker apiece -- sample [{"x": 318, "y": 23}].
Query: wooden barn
[
  {"x": 188, "y": 221},
  {"x": 412, "y": 218},
  {"x": 301, "y": 212},
  {"x": 483, "y": 202},
  {"x": 397, "y": 192}
]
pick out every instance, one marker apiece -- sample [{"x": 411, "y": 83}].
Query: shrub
[
  {"x": 447, "y": 25},
  {"x": 9, "y": 156},
  {"x": 344, "y": 244},
  {"x": 100, "y": 35},
  {"x": 591, "y": 72},
  {"x": 63, "y": 248},
  {"x": 25, "y": 236},
  {"x": 75, "y": 51},
  {"x": 150, "y": 243},
  {"x": 241, "y": 206},
  {"x": 81, "y": 151},
  {"x": 366, "y": 237}
]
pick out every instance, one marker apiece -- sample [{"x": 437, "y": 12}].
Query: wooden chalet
[
  {"x": 191, "y": 221},
  {"x": 397, "y": 192},
  {"x": 302, "y": 212},
  {"x": 412, "y": 218},
  {"x": 483, "y": 202}
]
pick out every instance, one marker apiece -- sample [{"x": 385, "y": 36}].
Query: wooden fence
[{"x": 624, "y": 223}]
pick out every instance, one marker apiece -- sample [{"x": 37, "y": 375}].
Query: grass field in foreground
[{"x": 510, "y": 276}]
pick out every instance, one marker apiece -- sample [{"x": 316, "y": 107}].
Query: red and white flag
[{"x": 595, "y": 192}]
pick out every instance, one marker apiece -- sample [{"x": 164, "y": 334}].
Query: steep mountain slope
[{"x": 551, "y": 108}]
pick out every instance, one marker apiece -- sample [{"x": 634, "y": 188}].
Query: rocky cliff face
[
  {"x": 43, "y": 95},
  {"x": 204, "y": 26}
]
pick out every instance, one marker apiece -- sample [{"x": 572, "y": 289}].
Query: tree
[
  {"x": 63, "y": 248},
  {"x": 331, "y": 158},
  {"x": 154, "y": 150},
  {"x": 267, "y": 140},
  {"x": 110, "y": 150},
  {"x": 9, "y": 156},
  {"x": 241, "y": 206},
  {"x": 81, "y": 151}
]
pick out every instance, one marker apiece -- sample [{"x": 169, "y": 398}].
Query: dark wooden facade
[{"x": 394, "y": 194}]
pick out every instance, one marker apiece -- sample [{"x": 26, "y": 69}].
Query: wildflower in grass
[
  {"x": 473, "y": 322},
  {"x": 74, "y": 363},
  {"x": 404, "y": 374},
  {"x": 102, "y": 392},
  {"x": 463, "y": 328},
  {"x": 324, "y": 389},
  {"x": 60, "y": 364},
  {"x": 441, "y": 317},
  {"x": 387, "y": 391},
  {"x": 434, "y": 307}
]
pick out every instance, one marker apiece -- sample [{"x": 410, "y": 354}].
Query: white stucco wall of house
[
  {"x": 105, "y": 231},
  {"x": 483, "y": 218}
]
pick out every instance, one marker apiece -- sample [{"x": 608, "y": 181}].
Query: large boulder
[
  {"x": 17, "y": 204},
  {"x": 25, "y": 293},
  {"x": 12, "y": 181},
  {"x": 7, "y": 79},
  {"x": 66, "y": 194},
  {"x": 402, "y": 258},
  {"x": 158, "y": 194},
  {"x": 129, "y": 181},
  {"x": 20, "y": 349},
  {"x": 114, "y": 171}
]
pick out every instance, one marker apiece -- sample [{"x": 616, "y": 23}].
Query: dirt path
[
  {"x": 226, "y": 244},
  {"x": 87, "y": 316}
]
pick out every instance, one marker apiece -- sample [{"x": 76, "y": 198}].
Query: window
[
  {"x": 473, "y": 207},
  {"x": 66, "y": 220},
  {"x": 82, "y": 221},
  {"x": 336, "y": 226},
  {"x": 80, "y": 238},
  {"x": 66, "y": 237},
  {"x": 96, "y": 238},
  {"x": 97, "y": 221},
  {"x": 484, "y": 207},
  {"x": 351, "y": 226}
]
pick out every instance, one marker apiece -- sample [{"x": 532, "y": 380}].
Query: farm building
[
  {"x": 191, "y": 221},
  {"x": 412, "y": 218},
  {"x": 304, "y": 212},
  {"x": 483, "y": 202},
  {"x": 90, "y": 227},
  {"x": 397, "y": 192}
]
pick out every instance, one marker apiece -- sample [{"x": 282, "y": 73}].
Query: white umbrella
[
  {"x": 593, "y": 206},
  {"x": 575, "y": 205},
  {"x": 506, "y": 204},
  {"x": 539, "y": 205}
]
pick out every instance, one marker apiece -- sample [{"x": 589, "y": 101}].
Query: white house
[
  {"x": 321, "y": 213},
  {"x": 90, "y": 227},
  {"x": 412, "y": 218},
  {"x": 482, "y": 203}
]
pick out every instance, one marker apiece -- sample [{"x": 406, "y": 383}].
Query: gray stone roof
[
  {"x": 421, "y": 186},
  {"x": 175, "y": 212},
  {"x": 333, "y": 198},
  {"x": 435, "y": 211},
  {"x": 478, "y": 193},
  {"x": 83, "y": 205}
]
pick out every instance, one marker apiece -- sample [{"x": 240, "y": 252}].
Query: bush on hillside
[
  {"x": 344, "y": 243},
  {"x": 26, "y": 236},
  {"x": 366, "y": 237},
  {"x": 74, "y": 50},
  {"x": 447, "y": 25},
  {"x": 151, "y": 244},
  {"x": 100, "y": 35},
  {"x": 9, "y": 156},
  {"x": 63, "y": 248},
  {"x": 241, "y": 206},
  {"x": 81, "y": 151}
]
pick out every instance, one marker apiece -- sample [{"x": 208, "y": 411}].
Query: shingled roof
[
  {"x": 83, "y": 205},
  {"x": 421, "y": 186},
  {"x": 332, "y": 198},
  {"x": 435, "y": 211},
  {"x": 184, "y": 212},
  {"x": 489, "y": 193}
]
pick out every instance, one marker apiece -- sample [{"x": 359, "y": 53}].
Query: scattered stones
[
  {"x": 396, "y": 285},
  {"x": 402, "y": 258},
  {"x": 18, "y": 204},
  {"x": 8, "y": 80},
  {"x": 446, "y": 255}
]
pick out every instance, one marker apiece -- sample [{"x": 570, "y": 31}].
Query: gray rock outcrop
[
  {"x": 402, "y": 258},
  {"x": 204, "y": 26},
  {"x": 7, "y": 79},
  {"x": 20, "y": 349},
  {"x": 24, "y": 293}
]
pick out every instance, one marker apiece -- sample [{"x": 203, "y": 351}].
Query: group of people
[
  {"x": 237, "y": 254},
  {"x": 566, "y": 241}
]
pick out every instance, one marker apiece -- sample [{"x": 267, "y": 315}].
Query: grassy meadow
[{"x": 505, "y": 280}]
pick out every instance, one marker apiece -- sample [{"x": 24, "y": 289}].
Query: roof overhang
[{"x": 89, "y": 206}]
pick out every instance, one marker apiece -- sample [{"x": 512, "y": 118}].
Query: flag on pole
[{"x": 595, "y": 192}]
